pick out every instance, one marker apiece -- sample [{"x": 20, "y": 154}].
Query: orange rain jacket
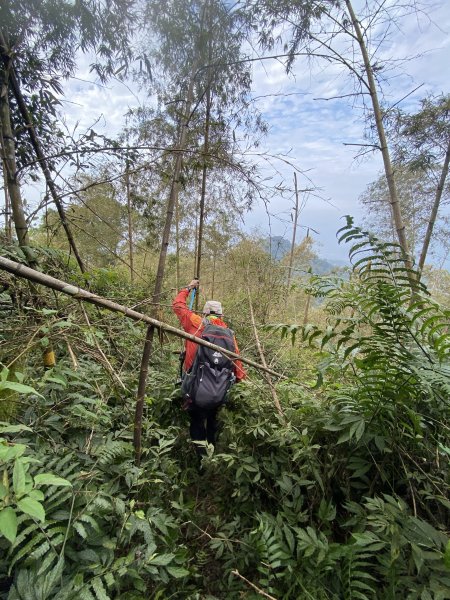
[{"x": 193, "y": 323}]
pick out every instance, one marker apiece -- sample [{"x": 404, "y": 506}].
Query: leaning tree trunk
[
  {"x": 434, "y": 211},
  {"x": 20, "y": 270},
  {"x": 10, "y": 167},
  {"x": 173, "y": 197},
  {"x": 389, "y": 171},
  {"x": 45, "y": 169}
]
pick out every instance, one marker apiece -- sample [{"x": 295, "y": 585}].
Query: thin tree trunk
[
  {"x": 306, "y": 316},
  {"x": 10, "y": 167},
  {"x": 129, "y": 219},
  {"x": 262, "y": 357},
  {"x": 308, "y": 298},
  {"x": 8, "y": 230},
  {"x": 205, "y": 154},
  {"x": 294, "y": 233},
  {"x": 203, "y": 192},
  {"x": 213, "y": 273},
  {"x": 148, "y": 345},
  {"x": 434, "y": 211},
  {"x": 389, "y": 172},
  {"x": 177, "y": 242},
  {"x": 44, "y": 165},
  {"x": 20, "y": 270},
  {"x": 195, "y": 246}
]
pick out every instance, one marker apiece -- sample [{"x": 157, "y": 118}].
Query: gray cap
[{"x": 212, "y": 306}]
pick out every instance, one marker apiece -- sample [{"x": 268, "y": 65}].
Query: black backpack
[{"x": 212, "y": 373}]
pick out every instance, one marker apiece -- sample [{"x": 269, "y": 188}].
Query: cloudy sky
[
  {"x": 305, "y": 125},
  {"x": 314, "y": 131}
]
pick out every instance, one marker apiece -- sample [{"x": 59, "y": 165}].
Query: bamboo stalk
[
  {"x": 8, "y": 156},
  {"x": 71, "y": 290}
]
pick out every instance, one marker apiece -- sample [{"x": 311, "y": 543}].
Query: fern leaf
[{"x": 99, "y": 589}]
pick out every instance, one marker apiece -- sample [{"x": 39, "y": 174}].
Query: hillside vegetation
[
  {"x": 136, "y": 139},
  {"x": 344, "y": 496}
]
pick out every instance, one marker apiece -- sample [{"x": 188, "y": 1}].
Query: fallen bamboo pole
[{"x": 20, "y": 270}]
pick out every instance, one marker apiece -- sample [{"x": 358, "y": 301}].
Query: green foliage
[
  {"x": 20, "y": 496},
  {"x": 346, "y": 499}
]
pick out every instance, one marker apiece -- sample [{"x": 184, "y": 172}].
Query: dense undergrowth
[{"x": 347, "y": 499}]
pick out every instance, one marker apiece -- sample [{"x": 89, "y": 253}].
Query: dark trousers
[{"x": 203, "y": 427}]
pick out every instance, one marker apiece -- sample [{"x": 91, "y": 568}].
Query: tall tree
[
  {"x": 99, "y": 226},
  {"x": 416, "y": 190},
  {"x": 39, "y": 41},
  {"x": 422, "y": 144},
  {"x": 12, "y": 186},
  {"x": 332, "y": 30},
  {"x": 191, "y": 57}
]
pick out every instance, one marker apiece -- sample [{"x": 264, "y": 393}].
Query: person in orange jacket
[{"x": 203, "y": 422}]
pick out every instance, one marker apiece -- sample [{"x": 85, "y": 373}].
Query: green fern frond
[
  {"x": 112, "y": 450},
  {"x": 99, "y": 589}
]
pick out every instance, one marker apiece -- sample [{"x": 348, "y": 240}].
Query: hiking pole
[{"x": 192, "y": 300}]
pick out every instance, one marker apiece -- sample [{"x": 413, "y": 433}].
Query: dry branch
[
  {"x": 263, "y": 358},
  {"x": 252, "y": 585}
]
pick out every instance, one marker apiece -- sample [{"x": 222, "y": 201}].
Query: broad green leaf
[
  {"x": 19, "y": 376},
  {"x": 162, "y": 560},
  {"x": 36, "y": 495},
  {"x": 7, "y": 428},
  {"x": 18, "y": 477},
  {"x": 33, "y": 508},
  {"x": 177, "y": 572},
  {"x": 50, "y": 479},
  {"x": 55, "y": 379},
  {"x": 18, "y": 387},
  {"x": 67, "y": 323},
  {"x": 10, "y": 452},
  {"x": 8, "y": 524}
]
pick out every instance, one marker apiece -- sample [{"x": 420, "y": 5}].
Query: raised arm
[{"x": 180, "y": 307}]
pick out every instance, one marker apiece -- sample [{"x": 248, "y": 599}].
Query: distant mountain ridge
[{"x": 279, "y": 247}]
